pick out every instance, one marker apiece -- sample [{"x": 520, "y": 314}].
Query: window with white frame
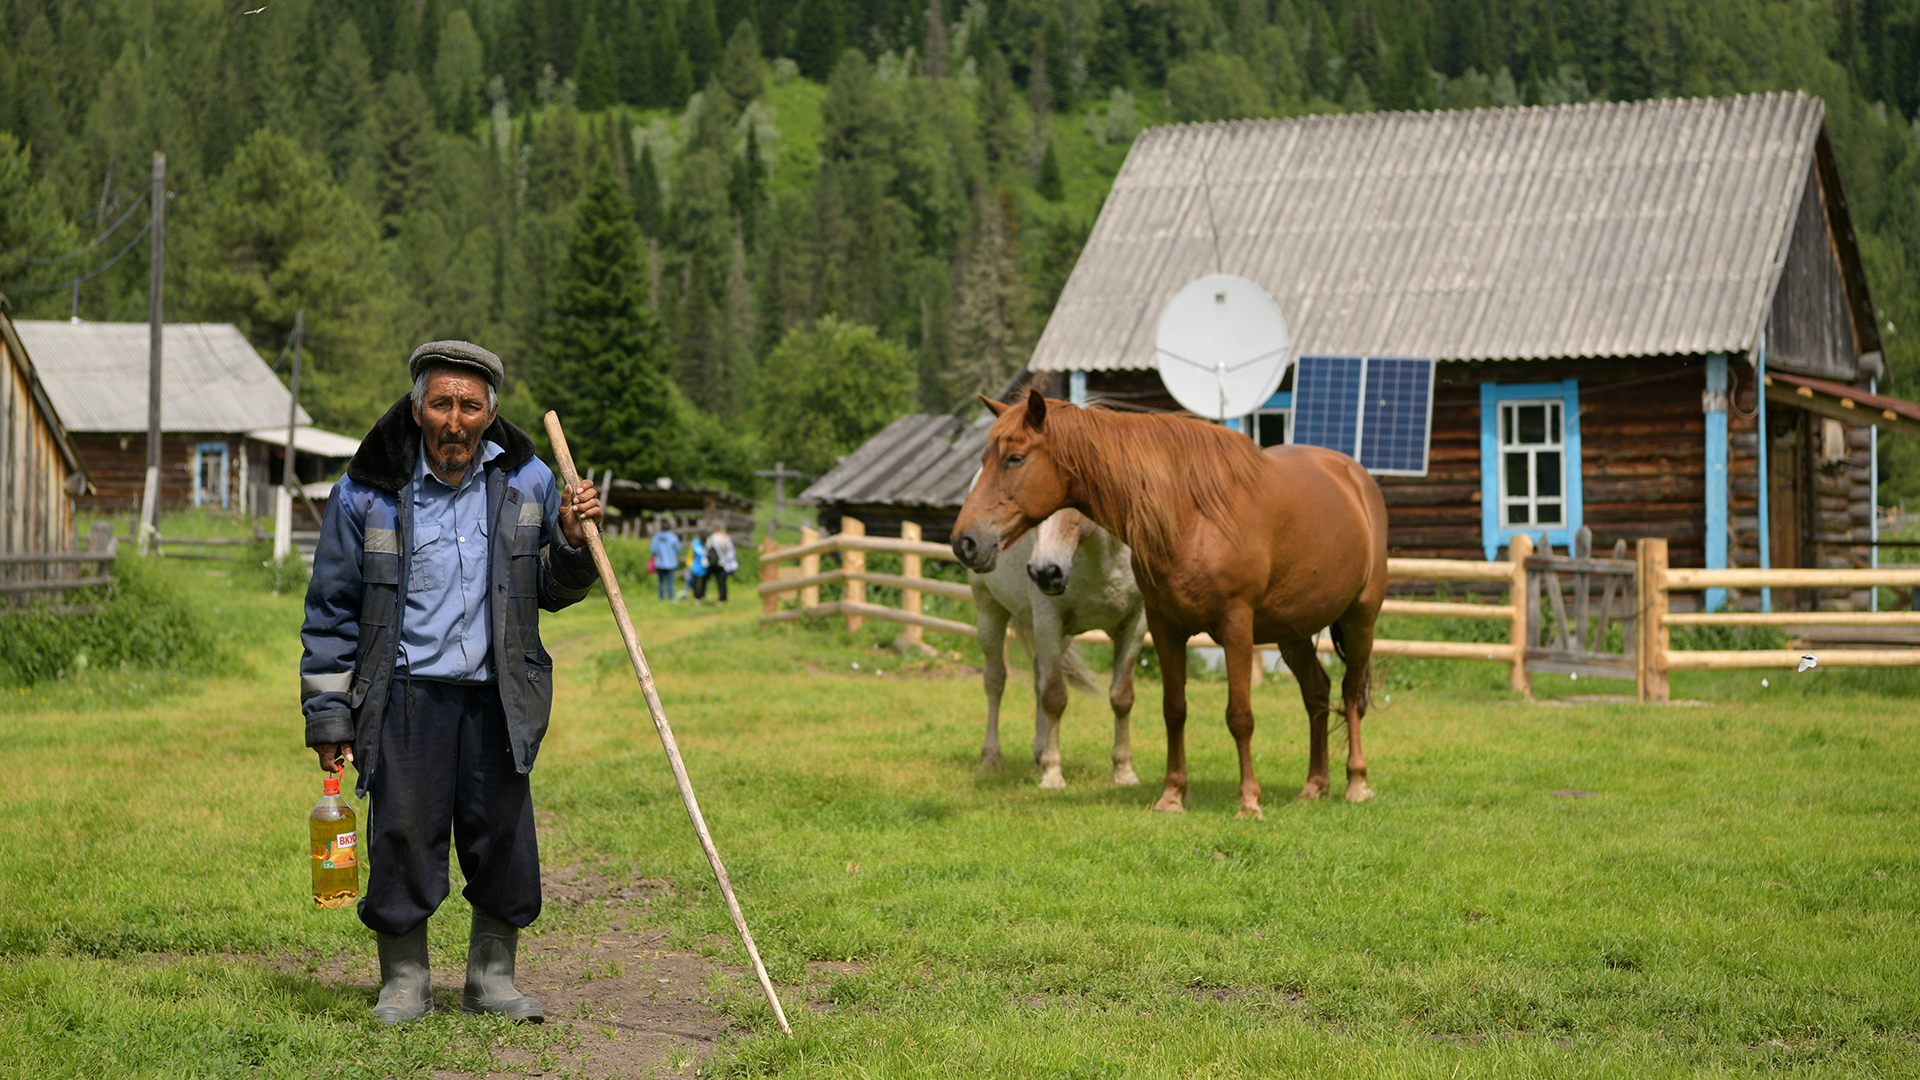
[
  {"x": 1533, "y": 456},
  {"x": 1529, "y": 462}
]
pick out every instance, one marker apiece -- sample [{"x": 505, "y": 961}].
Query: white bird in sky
[{"x": 255, "y": 11}]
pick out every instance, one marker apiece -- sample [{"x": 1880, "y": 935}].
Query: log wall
[
  {"x": 36, "y": 513},
  {"x": 118, "y": 463}
]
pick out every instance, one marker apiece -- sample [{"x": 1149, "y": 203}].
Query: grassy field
[{"x": 1571, "y": 888}]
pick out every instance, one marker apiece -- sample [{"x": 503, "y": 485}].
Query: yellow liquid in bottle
[{"x": 336, "y": 853}]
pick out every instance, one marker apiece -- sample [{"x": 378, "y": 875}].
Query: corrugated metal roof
[
  {"x": 917, "y": 460},
  {"x": 307, "y": 440},
  {"x": 1634, "y": 229},
  {"x": 211, "y": 379}
]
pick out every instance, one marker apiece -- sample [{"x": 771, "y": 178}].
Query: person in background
[
  {"x": 666, "y": 556},
  {"x": 422, "y": 665},
  {"x": 697, "y": 569},
  {"x": 721, "y": 559}
]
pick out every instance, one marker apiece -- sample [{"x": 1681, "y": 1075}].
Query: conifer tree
[
  {"x": 634, "y": 55},
  {"x": 672, "y": 72},
  {"x": 1051, "y": 186},
  {"x": 819, "y": 36},
  {"x": 458, "y": 70},
  {"x": 701, "y": 38},
  {"x": 742, "y": 70},
  {"x": 343, "y": 93},
  {"x": 647, "y": 208},
  {"x": 401, "y": 132},
  {"x": 610, "y": 377},
  {"x": 593, "y": 73}
]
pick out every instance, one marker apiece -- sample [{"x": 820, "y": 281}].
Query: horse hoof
[
  {"x": 1054, "y": 780},
  {"x": 1124, "y": 777},
  {"x": 1169, "y": 804},
  {"x": 990, "y": 762},
  {"x": 1315, "y": 790},
  {"x": 1252, "y": 810},
  {"x": 1358, "y": 791}
]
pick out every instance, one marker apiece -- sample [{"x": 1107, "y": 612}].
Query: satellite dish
[{"x": 1222, "y": 346}]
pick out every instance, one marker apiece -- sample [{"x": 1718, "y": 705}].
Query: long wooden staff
[{"x": 645, "y": 674}]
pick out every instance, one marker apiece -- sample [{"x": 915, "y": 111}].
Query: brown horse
[{"x": 1244, "y": 545}]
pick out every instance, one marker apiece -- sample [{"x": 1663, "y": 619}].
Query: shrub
[{"x": 141, "y": 619}]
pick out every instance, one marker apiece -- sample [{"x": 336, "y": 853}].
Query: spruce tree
[
  {"x": 634, "y": 57},
  {"x": 819, "y": 36},
  {"x": 647, "y": 209},
  {"x": 593, "y": 73},
  {"x": 403, "y": 144},
  {"x": 1052, "y": 187},
  {"x": 343, "y": 93},
  {"x": 701, "y": 37},
  {"x": 610, "y": 377}
]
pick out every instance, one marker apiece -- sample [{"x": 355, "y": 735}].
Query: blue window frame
[{"x": 1529, "y": 462}]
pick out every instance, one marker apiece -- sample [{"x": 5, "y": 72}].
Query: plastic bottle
[{"x": 336, "y": 848}]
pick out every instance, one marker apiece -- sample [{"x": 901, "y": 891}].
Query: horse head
[
  {"x": 1020, "y": 484},
  {"x": 1056, "y": 543}
]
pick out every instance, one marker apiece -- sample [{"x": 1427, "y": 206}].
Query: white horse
[{"x": 1092, "y": 574}]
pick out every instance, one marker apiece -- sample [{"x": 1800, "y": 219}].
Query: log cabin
[{"x": 1647, "y": 318}]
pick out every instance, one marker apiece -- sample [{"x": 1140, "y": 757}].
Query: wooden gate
[{"x": 1572, "y": 604}]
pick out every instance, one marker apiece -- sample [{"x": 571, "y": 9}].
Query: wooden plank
[
  {"x": 53, "y": 586},
  {"x": 1579, "y": 659},
  {"x": 1448, "y": 570},
  {"x": 1566, "y": 565},
  {"x": 1789, "y": 658},
  {"x": 52, "y": 558},
  {"x": 1688, "y": 580},
  {"x": 843, "y": 608},
  {"x": 1445, "y": 610},
  {"x": 953, "y": 590},
  {"x": 1796, "y": 618}
]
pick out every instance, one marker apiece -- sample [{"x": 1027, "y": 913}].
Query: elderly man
[{"x": 423, "y": 665}]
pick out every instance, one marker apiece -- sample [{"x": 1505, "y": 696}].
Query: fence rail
[
  {"x": 804, "y": 580},
  {"x": 28, "y": 576}
]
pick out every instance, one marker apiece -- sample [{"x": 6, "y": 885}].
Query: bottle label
[{"x": 340, "y": 854}]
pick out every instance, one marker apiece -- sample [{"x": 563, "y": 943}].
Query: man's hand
[
  {"x": 334, "y": 755},
  {"x": 579, "y": 503}
]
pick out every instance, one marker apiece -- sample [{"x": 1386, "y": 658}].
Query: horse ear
[
  {"x": 996, "y": 406},
  {"x": 1036, "y": 409}
]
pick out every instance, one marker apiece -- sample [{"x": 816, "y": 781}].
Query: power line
[
  {"x": 70, "y": 282},
  {"x": 77, "y": 252},
  {"x": 98, "y": 210}
]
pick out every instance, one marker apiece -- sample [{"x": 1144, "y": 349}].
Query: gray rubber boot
[
  {"x": 406, "y": 985},
  {"x": 490, "y": 955}
]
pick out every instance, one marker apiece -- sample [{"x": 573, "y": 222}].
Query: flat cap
[{"x": 464, "y": 353}]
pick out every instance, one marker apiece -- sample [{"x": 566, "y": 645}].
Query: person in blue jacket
[
  {"x": 665, "y": 549},
  {"x": 422, "y": 665}
]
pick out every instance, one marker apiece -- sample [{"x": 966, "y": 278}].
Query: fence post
[
  {"x": 769, "y": 603},
  {"x": 853, "y": 562},
  {"x": 809, "y": 566},
  {"x": 910, "y": 568},
  {"x": 1517, "y": 551},
  {"x": 1651, "y": 557}
]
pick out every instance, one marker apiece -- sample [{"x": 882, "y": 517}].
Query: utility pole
[
  {"x": 283, "y": 502},
  {"x": 150, "y": 502},
  {"x": 781, "y": 474}
]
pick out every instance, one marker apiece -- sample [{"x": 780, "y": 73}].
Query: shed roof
[
  {"x": 211, "y": 380},
  {"x": 917, "y": 460},
  {"x": 317, "y": 442},
  {"x": 1631, "y": 229}
]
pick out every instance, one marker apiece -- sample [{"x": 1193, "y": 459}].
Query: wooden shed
[
  {"x": 215, "y": 391},
  {"x": 1605, "y": 292},
  {"x": 918, "y": 468},
  {"x": 40, "y": 472}
]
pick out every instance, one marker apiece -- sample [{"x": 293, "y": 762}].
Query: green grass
[{"x": 1736, "y": 896}]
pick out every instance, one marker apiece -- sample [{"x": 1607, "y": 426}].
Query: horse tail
[
  {"x": 1339, "y": 642},
  {"x": 1072, "y": 665},
  {"x": 1079, "y": 675}
]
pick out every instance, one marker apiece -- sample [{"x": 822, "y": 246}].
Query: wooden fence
[
  {"x": 804, "y": 579},
  {"x": 1546, "y": 631},
  {"x": 1658, "y": 581},
  {"x": 27, "y": 577}
]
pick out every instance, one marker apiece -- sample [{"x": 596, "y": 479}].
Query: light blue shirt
[
  {"x": 447, "y": 627},
  {"x": 665, "y": 549}
]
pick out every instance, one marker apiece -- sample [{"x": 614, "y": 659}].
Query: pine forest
[{"x": 717, "y": 233}]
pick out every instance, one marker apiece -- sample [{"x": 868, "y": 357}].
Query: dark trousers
[
  {"x": 445, "y": 764},
  {"x": 719, "y": 579},
  {"x": 697, "y": 583}
]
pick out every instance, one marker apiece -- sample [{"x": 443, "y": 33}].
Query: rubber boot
[
  {"x": 406, "y": 984},
  {"x": 490, "y": 955}
]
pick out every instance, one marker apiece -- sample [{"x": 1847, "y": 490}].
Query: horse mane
[{"x": 1145, "y": 472}]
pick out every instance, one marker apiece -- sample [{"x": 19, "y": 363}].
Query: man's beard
[{"x": 444, "y": 459}]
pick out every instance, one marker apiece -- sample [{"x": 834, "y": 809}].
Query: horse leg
[
  {"x": 1357, "y": 634},
  {"x": 1314, "y": 691},
  {"x": 1236, "y": 640},
  {"x": 1127, "y": 635},
  {"x": 991, "y": 619},
  {"x": 1049, "y": 696},
  {"x": 1171, "y": 646}
]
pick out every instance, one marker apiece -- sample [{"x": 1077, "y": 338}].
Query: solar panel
[
  {"x": 1325, "y": 389},
  {"x": 1396, "y": 414},
  {"x": 1386, "y": 427}
]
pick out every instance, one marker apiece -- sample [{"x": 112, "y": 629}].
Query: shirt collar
[{"x": 421, "y": 473}]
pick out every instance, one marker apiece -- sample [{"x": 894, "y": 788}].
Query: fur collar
[{"x": 387, "y": 455}]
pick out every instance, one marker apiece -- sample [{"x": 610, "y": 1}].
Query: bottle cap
[{"x": 330, "y": 786}]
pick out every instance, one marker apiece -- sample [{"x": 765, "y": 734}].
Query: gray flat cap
[{"x": 464, "y": 353}]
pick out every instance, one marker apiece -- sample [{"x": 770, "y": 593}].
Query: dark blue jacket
[{"x": 356, "y": 598}]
